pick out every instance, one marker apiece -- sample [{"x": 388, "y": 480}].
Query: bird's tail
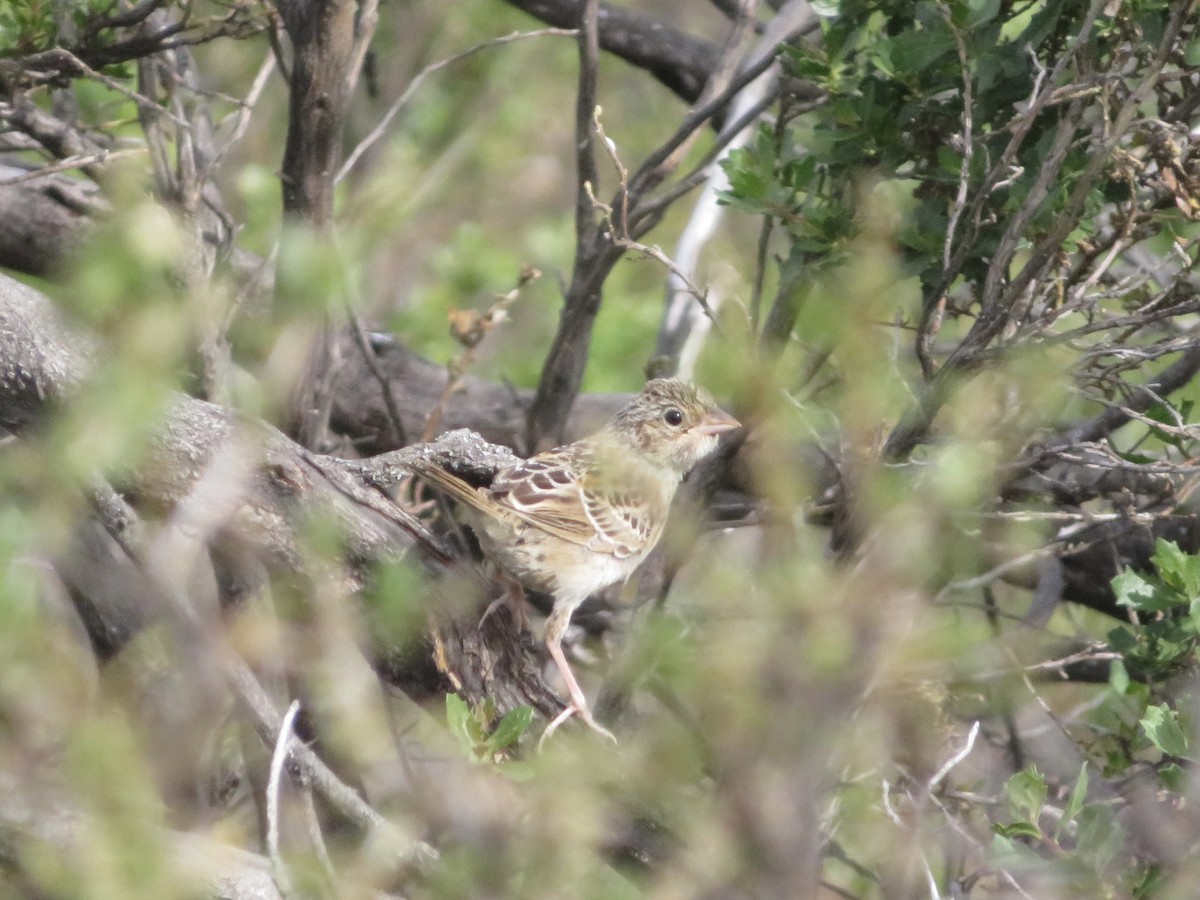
[{"x": 448, "y": 483}]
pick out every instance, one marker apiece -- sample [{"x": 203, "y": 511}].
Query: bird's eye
[{"x": 673, "y": 417}]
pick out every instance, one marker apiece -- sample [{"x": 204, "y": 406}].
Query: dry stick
[
  {"x": 1043, "y": 90},
  {"x": 368, "y": 354},
  {"x": 1134, "y": 322},
  {"x": 278, "y": 51},
  {"x": 682, "y": 331},
  {"x": 968, "y": 138},
  {"x": 932, "y": 312},
  {"x": 1016, "y": 751},
  {"x": 1170, "y": 380},
  {"x": 246, "y": 108},
  {"x": 1050, "y": 243},
  {"x": 562, "y": 370},
  {"x": 72, "y": 162},
  {"x": 653, "y": 251},
  {"x": 563, "y": 367},
  {"x": 586, "y": 227},
  {"x": 927, "y": 796},
  {"x": 318, "y": 93},
  {"x": 458, "y": 368},
  {"x": 385, "y": 385},
  {"x": 719, "y": 87},
  {"x": 1045, "y": 248},
  {"x": 67, "y": 59},
  {"x": 316, "y": 838},
  {"x": 378, "y": 131},
  {"x": 130, "y": 17},
  {"x": 368, "y": 20},
  {"x": 664, "y": 160},
  {"x": 994, "y": 300},
  {"x": 649, "y": 210},
  {"x": 280, "y": 754},
  {"x": 122, "y": 522},
  {"x": 1039, "y": 98},
  {"x": 890, "y": 810},
  {"x": 916, "y": 423}
]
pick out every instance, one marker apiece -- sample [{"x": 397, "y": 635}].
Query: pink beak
[{"x": 716, "y": 422}]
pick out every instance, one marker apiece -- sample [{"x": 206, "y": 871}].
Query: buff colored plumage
[{"x": 573, "y": 520}]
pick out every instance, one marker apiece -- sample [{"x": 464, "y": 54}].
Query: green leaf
[
  {"x": 1099, "y": 836},
  {"x": 1118, "y": 677},
  {"x": 510, "y": 729},
  {"x": 462, "y": 724},
  {"x": 1133, "y": 590},
  {"x": 912, "y": 51},
  {"x": 1148, "y": 880},
  {"x": 1178, "y": 569},
  {"x": 1017, "y": 830},
  {"x": 1075, "y": 804},
  {"x": 804, "y": 63},
  {"x": 1122, "y": 640},
  {"x": 1191, "y": 55},
  {"x": 1162, "y": 727},
  {"x": 1174, "y": 777},
  {"x": 1026, "y": 793},
  {"x": 980, "y": 12}
]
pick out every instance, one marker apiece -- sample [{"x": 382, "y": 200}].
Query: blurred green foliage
[{"x": 785, "y": 701}]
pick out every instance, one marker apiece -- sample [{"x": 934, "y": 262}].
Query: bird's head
[{"x": 672, "y": 423}]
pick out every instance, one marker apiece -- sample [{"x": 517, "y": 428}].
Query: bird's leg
[
  {"x": 513, "y": 597},
  {"x": 556, "y": 626}
]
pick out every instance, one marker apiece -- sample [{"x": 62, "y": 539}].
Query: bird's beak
[{"x": 716, "y": 422}]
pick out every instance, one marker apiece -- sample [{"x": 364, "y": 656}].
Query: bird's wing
[{"x": 555, "y": 491}]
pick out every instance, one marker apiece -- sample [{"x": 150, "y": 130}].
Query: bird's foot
[
  {"x": 584, "y": 714},
  {"x": 513, "y": 598},
  {"x": 516, "y": 609}
]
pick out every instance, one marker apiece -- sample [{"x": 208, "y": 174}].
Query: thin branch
[
  {"x": 406, "y": 96},
  {"x": 678, "y": 60},
  {"x": 949, "y": 765},
  {"x": 586, "y": 173},
  {"x": 64, "y": 58},
  {"x": 246, "y": 107},
  {"x": 124, "y": 524},
  {"x": 385, "y": 384},
  {"x": 364, "y": 32},
  {"x": 72, "y": 162},
  {"x": 278, "y": 757}
]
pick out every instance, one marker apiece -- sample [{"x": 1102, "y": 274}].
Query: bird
[{"x": 576, "y": 519}]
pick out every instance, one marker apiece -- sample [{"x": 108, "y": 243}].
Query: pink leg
[{"x": 556, "y": 625}]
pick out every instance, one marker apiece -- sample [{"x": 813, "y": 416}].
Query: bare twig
[
  {"x": 385, "y": 384},
  {"x": 470, "y": 329},
  {"x": 274, "y": 780},
  {"x": 246, "y": 107},
  {"x": 123, "y": 523},
  {"x": 406, "y": 96},
  {"x": 364, "y": 32},
  {"x": 61, "y": 57},
  {"x": 72, "y": 162},
  {"x": 949, "y": 765}
]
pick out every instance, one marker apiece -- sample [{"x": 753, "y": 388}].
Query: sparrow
[{"x": 576, "y": 519}]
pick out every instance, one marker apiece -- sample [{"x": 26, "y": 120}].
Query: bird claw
[
  {"x": 584, "y": 714},
  {"x": 514, "y": 599},
  {"x": 516, "y": 609}
]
